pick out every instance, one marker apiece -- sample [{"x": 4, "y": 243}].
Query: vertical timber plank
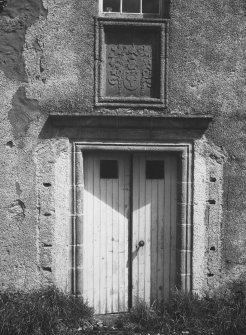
[
  {"x": 142, "y": 227},
  {"x": 135, "y": 228},
  {"x": 126, "y": 229},
  {"x": 148, "y": 240},
  {"x": 154, "y": 238},
  {"x": 103, "y": 254},
  {"x": 122, "y": 250},
  {"x": 160, "y": 237},
  {"x": 123, "y": 233},
  {"x": 173, "y": 223},
  {"x": 85, "y": 231},
  {"x": 167, "y": 217},
  {"x": 96, "y": 234},
  {"x": 115, "y": 244},
  {"x": 109, "y": 216}
]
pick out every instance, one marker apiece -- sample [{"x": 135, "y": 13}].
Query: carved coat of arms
[{"x": 129, "y": 69}]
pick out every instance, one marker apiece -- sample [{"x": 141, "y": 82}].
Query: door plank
[
  {"x": 115, "y": 244},
  {"x": 142, "y": 228},
  {"x": 135, "y": 228},
  {"x": 154, "y": 238},
  {"x": 123, "y": 234},
  {"x": 167, "y": 219},
  {"x": 109, "y": 217},
  {"x": 85, "y": 230},
  {"x": 127, "y": 215},
  {"x": 90, "y": 240},
  {"x": 96, "y": 233},
  {"x": 173, "y": 196},
  {"x": 103, "y": 260},
  {"x": 160, "y": 238},
  {"x": 148, "y": 234}
]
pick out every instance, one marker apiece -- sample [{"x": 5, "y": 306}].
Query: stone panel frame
[
  {"x": 130, "y": 102},
  {"x": 184, "y": 218}
]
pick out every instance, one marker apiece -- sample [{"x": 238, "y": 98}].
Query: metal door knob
[{"x": 141, "y": 244}]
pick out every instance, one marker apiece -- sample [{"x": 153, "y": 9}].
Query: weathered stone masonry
[{"x": 47, "y": 67}]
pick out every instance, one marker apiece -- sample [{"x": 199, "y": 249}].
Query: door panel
[
  {"x": 105, "y": 240},
  {"x": 154, "y": 222}
]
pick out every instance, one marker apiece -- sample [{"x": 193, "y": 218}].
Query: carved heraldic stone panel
[
  {"x": 130, "y": 70},
  {"x": 131, "y": 67}
]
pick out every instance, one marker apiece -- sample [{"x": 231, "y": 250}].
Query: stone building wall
[{"x": 47, "y": 68}]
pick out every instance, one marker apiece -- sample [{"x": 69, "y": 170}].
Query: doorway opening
[{"x": 128, "y": 228}]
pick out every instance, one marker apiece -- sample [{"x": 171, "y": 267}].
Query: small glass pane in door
[
  {"x": 108, "y": 169},
  {"x": 154, "y": 169}
]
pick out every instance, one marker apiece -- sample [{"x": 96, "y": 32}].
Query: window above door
[
  {"x": 139, "y": 8},
  {"x": 131, "y": 6}
]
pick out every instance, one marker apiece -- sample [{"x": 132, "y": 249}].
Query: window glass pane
[
  {"x": 108, "y": 169},
  {"x": 154, "y": 169},
  {"x": 131, "y": 6},
  {"x": 150, "y": 6},
  {"x": 111, "y": 5}
]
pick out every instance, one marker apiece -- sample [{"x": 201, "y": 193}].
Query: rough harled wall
[
  {"x": 207, "y": 76},
  {"x": 21, "y": 122},
  {"x": 47, "y": 66}
]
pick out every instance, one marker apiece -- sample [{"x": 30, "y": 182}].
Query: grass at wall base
[{"x": 48, "y": 311}]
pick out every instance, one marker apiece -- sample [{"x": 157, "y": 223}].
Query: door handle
[{"x": 140, "y": 244}]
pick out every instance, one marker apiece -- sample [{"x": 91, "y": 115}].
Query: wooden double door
[{"x": 129, "y": 228}]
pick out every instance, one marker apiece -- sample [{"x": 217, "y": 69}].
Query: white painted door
[
  {"x": 154, "y": 225},
  {"x": 129, "y": 204},
  {"x": 105, "y": 236}
]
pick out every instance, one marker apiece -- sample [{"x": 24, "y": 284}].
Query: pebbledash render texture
[{"x": 74, "y": 78}]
